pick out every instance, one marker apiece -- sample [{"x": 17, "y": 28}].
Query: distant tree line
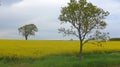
[{"x": 114, "y": 39}]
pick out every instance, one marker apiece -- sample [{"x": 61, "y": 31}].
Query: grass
[
  {"x": 90, "y": 60},
  {"x": 35, "y": 53}
]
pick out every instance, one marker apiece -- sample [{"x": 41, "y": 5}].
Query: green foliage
[{"x": 28, "y": 30}]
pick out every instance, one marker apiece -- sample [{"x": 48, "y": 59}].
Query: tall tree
[
  {"x": 84, "y": 18},
  {"x": 28, "y": 30}
]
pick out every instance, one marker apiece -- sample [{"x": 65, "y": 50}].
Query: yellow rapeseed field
[{"x": 39, "y": 48}]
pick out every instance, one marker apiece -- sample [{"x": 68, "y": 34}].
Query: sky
[{"x": 44, "y": 14}]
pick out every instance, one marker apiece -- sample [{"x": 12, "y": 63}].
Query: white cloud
[
  {"x": 39, "y": 3},
  {"x": 44, "y": 13},
  {"x": 112, "y": 6}
]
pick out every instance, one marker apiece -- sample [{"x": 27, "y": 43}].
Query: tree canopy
[
  {"x": 84, "y": 17},
  {"x": 28, "y": 30}
]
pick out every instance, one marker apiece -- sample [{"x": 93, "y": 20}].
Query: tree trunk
[
  {"x": 26, "y": 37},
  {"x": 81, "y": 48}
]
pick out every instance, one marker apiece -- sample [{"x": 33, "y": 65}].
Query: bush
[{"x": 115, "y": 39}]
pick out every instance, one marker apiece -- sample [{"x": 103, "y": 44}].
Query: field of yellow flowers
[{"x": 40, "y": 48}]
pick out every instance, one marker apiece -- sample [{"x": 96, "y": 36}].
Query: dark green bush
[{"x": 115, "y": 39}]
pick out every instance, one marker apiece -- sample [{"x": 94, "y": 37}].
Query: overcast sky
[{"x": 44, "y": 14}]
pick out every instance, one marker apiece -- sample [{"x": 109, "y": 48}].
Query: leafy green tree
[
  {"x": 85, "y": 18},
  {"x": 28, "y": 30}
]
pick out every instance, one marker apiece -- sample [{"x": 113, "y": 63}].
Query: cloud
[
  {"x": 44, "y": 14},
  {"x": 8, "y": 2},
  {"x": 113, "y": 6}
]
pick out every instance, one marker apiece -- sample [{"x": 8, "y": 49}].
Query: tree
[
  {"x": 85, "y": 19},
  {"x": 28, "y": 30}
]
